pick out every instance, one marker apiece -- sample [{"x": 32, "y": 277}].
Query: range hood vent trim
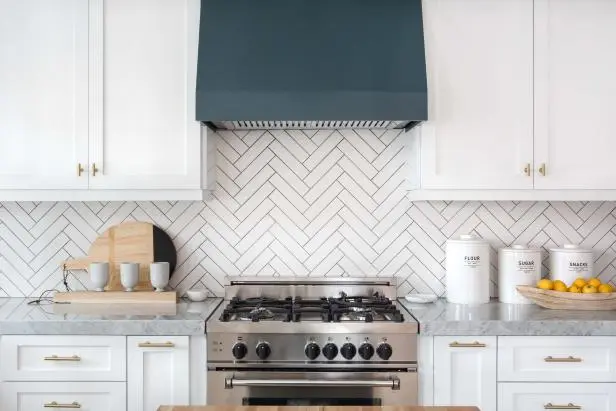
[{"x": 320, "y": 124}]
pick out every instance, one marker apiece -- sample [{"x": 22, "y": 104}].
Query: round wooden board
[{"x": 136, "y": 242}]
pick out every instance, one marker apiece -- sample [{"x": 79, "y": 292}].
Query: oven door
[{"x": 311, "y": 388}]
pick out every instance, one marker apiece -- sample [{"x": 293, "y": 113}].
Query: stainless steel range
[{"x": 342, "y": 341}]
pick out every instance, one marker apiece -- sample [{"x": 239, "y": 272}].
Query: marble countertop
[
  {"x": 185, "y": 318},
  {"x": 494, "y": 318}
]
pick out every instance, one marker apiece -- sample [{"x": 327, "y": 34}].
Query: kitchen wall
[{"x": 299, "y": 203}]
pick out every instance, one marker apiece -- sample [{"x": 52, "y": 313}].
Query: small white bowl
[
  {"x": 196, "y": 295},
  {"x": 421, "y": 298}
]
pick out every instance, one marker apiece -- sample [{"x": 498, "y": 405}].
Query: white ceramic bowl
[
  {"x": 421, "y": 298},
  {"x": 196, "y": 295}
]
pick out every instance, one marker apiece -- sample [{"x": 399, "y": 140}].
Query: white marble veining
[
  {"x": 17, "y": 317},
  {"x": 494, "y": 318}
]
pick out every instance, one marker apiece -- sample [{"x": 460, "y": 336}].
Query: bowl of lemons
[{"x": 582, "y": 294}]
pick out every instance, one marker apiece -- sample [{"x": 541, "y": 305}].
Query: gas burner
[{"x": 340, "y": 309}]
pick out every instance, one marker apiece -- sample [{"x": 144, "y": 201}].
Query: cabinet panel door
[
  {"x": 542, "y": 396},
  {"x": 465, "y": 371},
  {"x": 43, "y": 94},
  {"x": 480, "y": 84},
  {"x": 557, "y": 359},
  {"x": 145, "y": 136},
  {"x": 158, "y": 372},
  {"x": 90, "y": 396},
  {"x": 575, "y": 93},
  {"x": 63, "y": 358}
]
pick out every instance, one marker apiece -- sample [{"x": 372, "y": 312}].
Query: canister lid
[
  {"x": 571, "y": 248},
  {"x": 516, "y": 248},
  {"x": 468, "y": 239}
]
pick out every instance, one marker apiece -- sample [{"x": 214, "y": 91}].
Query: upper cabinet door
[
  {"x": 480, "y": 86},
  {"x": 43, "y": 94},
  {"x": 143, "y": 75},
  {"x": 575, "y": 93}
]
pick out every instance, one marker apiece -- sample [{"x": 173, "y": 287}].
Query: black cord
[{"x": 45, "y": 298}]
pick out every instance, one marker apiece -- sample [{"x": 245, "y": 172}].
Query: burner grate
[{"x": 333, "y": 309}]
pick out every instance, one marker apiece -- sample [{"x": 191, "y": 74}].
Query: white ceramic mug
[
  {"x": 99, "y": 275},
  {"x": 129, "y": 275},
  {"x": 159, "y": 275}
]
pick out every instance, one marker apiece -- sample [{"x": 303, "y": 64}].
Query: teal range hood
[{"x": 311, "y": 64}]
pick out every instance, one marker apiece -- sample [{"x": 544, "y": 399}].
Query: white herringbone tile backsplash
[{"x": 299, "y": 203}]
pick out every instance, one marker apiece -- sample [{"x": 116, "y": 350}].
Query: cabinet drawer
[
  {"x": 90, "y": 396},
  {"x": 553, "y": 359},
  {"x": 63, "y": 358},
  {"x": 556, "y": 396}
]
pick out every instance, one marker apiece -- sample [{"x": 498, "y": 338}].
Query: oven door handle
[{"x": 230, "y": 382}]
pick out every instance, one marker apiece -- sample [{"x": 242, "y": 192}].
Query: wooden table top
[{"x": 310, "y": 408}]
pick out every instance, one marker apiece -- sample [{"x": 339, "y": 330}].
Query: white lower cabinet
[
  {"x": 86, "y": 396},
  {"x": 556, "y": 396},
  {"x": 465, "y": 371},
  {"x": 557, "y": 359},
  {"x": 158, "y": 372},
  {"x": 63, "y": 358}
]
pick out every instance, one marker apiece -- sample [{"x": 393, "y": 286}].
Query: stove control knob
[
  {"x": 263, "y": 350},
  {"x": 348, "y": 351},
  {"x": 239, "y": 350},
  {"x": 330, "y": 351},
  {"x": 366, "y": 351},
  {"x": 384, "y": 351},
  {"x": 312, "y": 350}
]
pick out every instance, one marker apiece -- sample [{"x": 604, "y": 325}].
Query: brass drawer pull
[
  {"x": 542, "y": 169},
  {"x": 549, "y": 358},
  {"x": 570, "y": 406},
  {"x": 79, "y": 169},
  {"x": 475, "y": 344},
  {"x": 94, "y": 170},
  {"x": 527, "y": 169},
  {"x": 55, "y": 404},
  {"x": 148, "y": 344},
  {"x": 56, "y": 358}
]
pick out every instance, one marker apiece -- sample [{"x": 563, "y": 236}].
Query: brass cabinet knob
[
  {"x": 80, "y": 169},
  {"x": 527, "y": 169},
  {"x": 94, "y": 170}
]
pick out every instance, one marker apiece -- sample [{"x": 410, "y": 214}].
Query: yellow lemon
[
  {"x": 595, "y": 282},
  {"x": 574, "y": 289},
  {"x": 580, "y": 282},
  {"x": 605, "y": 288},
  {"x": 560, "y": 286},
  {"x": 589, "y": 289},
  {"x": 545, "y": 284}
]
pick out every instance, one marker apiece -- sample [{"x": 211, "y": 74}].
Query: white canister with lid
[
  {"x": 517, "y": 265},
  {"x": 570, "y": 262},
  {"x": 468, "y": 270}
]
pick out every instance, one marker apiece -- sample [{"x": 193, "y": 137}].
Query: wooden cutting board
[
  {"x": 310, "y": 408},
  {"x": 134, "y": 242}
]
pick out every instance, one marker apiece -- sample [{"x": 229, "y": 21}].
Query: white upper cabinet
[
  {"x": 575, "y": 93},
  {"x": 43, "y": 94},
  {"x": 143, "y": 74},
  {"x": 480, "y": 86}
]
